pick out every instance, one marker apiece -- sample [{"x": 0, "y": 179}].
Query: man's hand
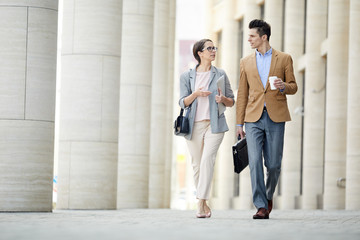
[
  {"x": 240, "y": 131},
  {"x": 278, "y": 83}
]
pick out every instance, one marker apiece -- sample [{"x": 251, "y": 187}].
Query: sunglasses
[{"x": 210, "y": 49}]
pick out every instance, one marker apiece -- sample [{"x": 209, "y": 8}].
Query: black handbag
[
  {"x": 181, "y": 124},
  {"x": 240, "y": 155}
]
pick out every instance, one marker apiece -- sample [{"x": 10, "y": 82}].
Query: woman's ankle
[
  {"x": 201, "y": 206},
  {"x": 206, "y": 208}
]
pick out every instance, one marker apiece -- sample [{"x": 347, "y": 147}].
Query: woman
[{"x": 199, "y": 91}]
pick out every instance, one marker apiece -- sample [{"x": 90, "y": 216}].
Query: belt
[{"x": 265, "y": 110}]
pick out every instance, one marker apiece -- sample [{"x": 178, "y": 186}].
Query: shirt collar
[{"x": 269, "y": 52}]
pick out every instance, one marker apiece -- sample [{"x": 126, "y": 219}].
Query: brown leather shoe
[
  {"x": 262, "y": 213},
  {"x": 270, "y": 205}
]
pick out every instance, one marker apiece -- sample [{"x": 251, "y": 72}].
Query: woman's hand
[
  {"x": 222, "y": 99},
  {"x": 200, "y": 93}
]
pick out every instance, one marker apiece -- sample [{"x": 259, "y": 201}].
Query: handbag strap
[{"x": 187, "y": 111}]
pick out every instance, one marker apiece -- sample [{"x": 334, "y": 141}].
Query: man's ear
[{"x": 264, "y": 37}]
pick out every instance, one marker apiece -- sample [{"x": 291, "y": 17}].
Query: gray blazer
[{"x": 187, "y": 86}]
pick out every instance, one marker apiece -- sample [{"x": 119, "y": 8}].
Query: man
[{"x": 264, "y": 112}]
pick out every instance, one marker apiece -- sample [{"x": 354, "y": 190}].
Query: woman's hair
[
  {"x": 199, "y": 46},
  {"x": 262, "y": 27}
]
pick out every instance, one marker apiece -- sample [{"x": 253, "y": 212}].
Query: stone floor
[{"x": 176, "y": 224}]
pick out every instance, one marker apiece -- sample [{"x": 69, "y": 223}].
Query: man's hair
[
  {"x": 262, "y": 27},
  {"x": 199, "y": 46}
]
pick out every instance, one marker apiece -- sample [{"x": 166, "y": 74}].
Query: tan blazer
[{"x": 252, "y": 95}]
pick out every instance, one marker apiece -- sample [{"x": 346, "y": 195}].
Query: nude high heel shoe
[
  {"x": 201, "y": 215},
  {"x": 207, "y": 214}
]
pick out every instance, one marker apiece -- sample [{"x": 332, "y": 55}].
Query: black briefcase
[{"x": 240, "y": 155}]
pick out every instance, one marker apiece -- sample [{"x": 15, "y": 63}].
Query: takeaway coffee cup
[{"x": 271, "y": 80}]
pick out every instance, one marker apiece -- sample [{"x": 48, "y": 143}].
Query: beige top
[{"x": 203, "y": 109}]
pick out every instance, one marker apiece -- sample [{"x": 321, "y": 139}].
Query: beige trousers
[{"x": 203, "y": 148}]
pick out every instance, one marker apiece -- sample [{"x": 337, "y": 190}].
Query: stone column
[
  {"x": 135, "y": 104},
  {"x": 89, "y": 104},
  {"x": 336, "y": 102},
  {"x": 353, "y": 127},
  {"x": 225, "y": 166},
  {"x": 274, "y": 16},
  {"x": 251, "y": 11},
  {"x": 209, "y": 20},
  {"x": 170, "y": 117},
  {"x": 314, "y": 106},
  {"x": 291, "y": 164},
  {"x": 28, "y": 46},
  {"x": 159, "y": 102}
]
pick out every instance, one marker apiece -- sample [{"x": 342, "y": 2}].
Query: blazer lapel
[
  {"x": 192, "y": 79},
  {"x": 212, "y": 75},
  {"x": 274, "y": 59},
  {"x": 253, "y": 63}
]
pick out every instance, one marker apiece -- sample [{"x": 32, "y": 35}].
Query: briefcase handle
[{"x": 239, "y": 137}]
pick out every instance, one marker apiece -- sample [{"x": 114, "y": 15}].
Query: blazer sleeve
[
  {"x": 290, "y": 82},
  {"x": 242, "y": 95},
  {"x": 185, "y": 88}
]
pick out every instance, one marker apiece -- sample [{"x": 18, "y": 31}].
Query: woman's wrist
[{"x": 228, "y": 101}]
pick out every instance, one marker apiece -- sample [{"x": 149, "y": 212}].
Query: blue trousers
[{"x": 265, "y": 140}]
